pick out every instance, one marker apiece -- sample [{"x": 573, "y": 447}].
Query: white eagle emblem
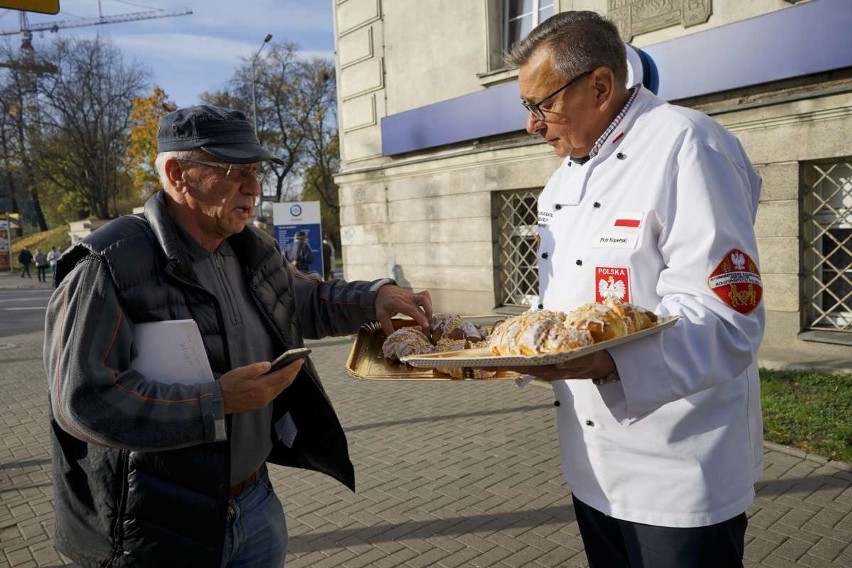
[
  {"x": 738, "y": 259},
  {"x": 612, "y": 288}
]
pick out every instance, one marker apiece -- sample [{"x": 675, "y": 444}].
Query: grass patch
[{"x": 808, "y": 410}]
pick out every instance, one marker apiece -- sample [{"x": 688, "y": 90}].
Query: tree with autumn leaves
[
  {"x": 142, "y": 151},
  {"x": 78, "y": 136},
  {"x": 65, "y": 130}
]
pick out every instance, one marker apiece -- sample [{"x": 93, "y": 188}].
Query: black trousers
[{"x": 612, "y": 543}]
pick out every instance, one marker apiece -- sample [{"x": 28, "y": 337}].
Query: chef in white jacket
[{"x": 661, "y": 438}]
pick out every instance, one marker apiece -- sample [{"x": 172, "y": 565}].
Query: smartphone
[{"x": 288, "y": 357}]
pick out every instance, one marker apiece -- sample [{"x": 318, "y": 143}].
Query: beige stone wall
[
  {"x": 428, "y": 223},
  {"x": 360, "y": 78},
  {"x": 777, "y": 138}
]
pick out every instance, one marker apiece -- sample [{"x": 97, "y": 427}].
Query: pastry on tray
[
  {"x": 448, "y": 332},
  {"x": 551, "y": 331}
]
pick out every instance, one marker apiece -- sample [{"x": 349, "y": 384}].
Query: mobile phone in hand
[{"x": 288, "y": 357}]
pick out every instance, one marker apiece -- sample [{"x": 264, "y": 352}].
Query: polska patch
[
  {"x": 612, "y": 282},
  {"x": 736, "y": 280}
]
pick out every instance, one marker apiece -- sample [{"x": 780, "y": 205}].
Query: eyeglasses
[
  {"x": 535, "y": 108},
  {"x": 233, "y": 171}
]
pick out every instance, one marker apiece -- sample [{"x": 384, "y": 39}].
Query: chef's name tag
[
  {"x": 622, "y": 232},
  {"x": 620, "y": 239}
]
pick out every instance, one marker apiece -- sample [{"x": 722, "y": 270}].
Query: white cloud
[{"x": 192, "y": 54}]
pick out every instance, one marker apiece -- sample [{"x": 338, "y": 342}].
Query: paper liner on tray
[{"x": 481, "y": 358}]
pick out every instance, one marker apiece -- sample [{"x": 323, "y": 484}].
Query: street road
[{"x": 22, "y": 311}]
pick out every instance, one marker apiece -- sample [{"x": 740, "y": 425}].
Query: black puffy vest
[{"x": 168, "y": 508}]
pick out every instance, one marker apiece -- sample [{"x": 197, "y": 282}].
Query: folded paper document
[{"x": 171, "y": 352}]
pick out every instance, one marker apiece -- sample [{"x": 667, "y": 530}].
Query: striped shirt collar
[{"x": 614, "y": 124}]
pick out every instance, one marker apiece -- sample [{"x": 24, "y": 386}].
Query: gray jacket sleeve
[
  {"x": 95, "y": 396},
  {"x": 334, "y": 307}
]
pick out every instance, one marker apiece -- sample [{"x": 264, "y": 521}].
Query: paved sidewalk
[{"x": 450, "y": 474}]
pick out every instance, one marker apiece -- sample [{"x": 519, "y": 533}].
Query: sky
[{"x": 191, "y": 54}]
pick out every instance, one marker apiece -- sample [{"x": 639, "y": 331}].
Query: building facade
[{"x": 439, "y": 180}]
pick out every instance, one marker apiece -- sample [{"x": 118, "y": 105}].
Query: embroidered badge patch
[
  {"x": 612, "y": 282},
  {"x": 736, "y": 280}
]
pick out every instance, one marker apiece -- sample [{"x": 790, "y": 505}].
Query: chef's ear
[{"x": 603, "y": 83}]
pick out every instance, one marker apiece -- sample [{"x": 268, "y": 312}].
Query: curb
[{"x": 841, "y": 465}]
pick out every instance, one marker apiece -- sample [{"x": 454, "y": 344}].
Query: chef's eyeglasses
[
  {"x": 232, "y": 171},
  {"x": 535, "y": 108}
]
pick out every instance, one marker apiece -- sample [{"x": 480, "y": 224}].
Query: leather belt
[{"x": 247, "y": 482}]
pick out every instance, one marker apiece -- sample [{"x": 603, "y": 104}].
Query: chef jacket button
[
  {"x": 620, "y": 156},
  {"x": 557, "y": 207},
  {"x": 579, "y": 262},
  {"x": 556, "y": 403},
  {"x": 544, "y": 255},
  {"x": 541, "y": 306},
  {"x": 596, "y": 204},
  {"x": 589, "y": 423}
]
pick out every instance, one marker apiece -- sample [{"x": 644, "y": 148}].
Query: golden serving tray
[
  {"x": 367, "y": 363},
  {"x": 481, "y": 358}
]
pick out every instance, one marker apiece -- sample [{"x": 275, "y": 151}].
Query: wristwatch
[{"x": 611, "y": 378}]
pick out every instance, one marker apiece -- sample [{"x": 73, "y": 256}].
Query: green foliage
[{"x": 810, "y": 411}]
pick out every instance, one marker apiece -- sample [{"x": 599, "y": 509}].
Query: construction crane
[{"x": 26, "y": 29}]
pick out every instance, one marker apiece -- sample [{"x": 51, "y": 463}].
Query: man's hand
[
  {"x": 595, "y": 365},
  {"x": 252, "y": 387},
  {"x": 392, "y": 300}
]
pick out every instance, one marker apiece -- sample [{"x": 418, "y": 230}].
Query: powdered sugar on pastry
[{"x": 406, "y": 341}]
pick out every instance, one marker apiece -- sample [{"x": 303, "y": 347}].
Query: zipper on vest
[
  {"x": 227, "y": 291},
  {"x": 118, "y": 529}
]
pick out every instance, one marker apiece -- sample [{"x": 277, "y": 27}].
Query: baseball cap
[{"x": 225, "y": 133}]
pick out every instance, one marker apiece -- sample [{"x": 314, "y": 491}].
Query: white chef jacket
[{"x": 678, "y": 441}]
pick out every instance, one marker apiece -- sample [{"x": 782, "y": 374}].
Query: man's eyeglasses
[
  {"x": 535, "y": 108},
  {"x": 232, "y": 171}
]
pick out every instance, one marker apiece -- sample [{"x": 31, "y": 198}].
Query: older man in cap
[{"x": 152, "y": 472}]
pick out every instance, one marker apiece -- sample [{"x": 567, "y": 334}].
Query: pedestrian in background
[
  {"x": 661, "y": 438},
  {"x": 52, "y": 257},
  {"x": 327, "y": 257},
  {"x": 41, "y": 265},
  {"x": 148, "y": 472},
  {"x": 25, "y": 259},
  {"x": 299, "y": 253}
]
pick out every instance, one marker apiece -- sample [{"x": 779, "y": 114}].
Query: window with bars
[
  {"x": 827, "y": 246},
  {"x": 521, "y": 16},
  {"x": 516, "y": 215}
]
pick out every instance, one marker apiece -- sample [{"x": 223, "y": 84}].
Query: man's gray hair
[
  {"x": 160, "y": 162},
  {"x": 578, "y": 41}
]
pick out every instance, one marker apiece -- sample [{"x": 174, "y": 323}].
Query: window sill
[
  {"x": 496, "y": 77},
  {"x": 833, "y": 337}
]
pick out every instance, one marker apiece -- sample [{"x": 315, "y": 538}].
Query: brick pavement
[{"x": 450, "y": 474}]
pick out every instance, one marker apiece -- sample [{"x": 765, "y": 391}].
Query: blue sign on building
[{"x": 290, "y": 218}]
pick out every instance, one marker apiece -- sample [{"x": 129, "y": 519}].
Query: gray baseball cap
[{"x": 225, "y": 133}]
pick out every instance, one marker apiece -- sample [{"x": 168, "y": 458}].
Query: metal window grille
[
  {"x": 517, "y": 246},
  {"x": 827, "y": 245}
]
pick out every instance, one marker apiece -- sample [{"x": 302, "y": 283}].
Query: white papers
[{"x": 171, "y": 352}]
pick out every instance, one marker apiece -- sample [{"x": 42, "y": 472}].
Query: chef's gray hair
[{"x": 578, "y": 40}]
